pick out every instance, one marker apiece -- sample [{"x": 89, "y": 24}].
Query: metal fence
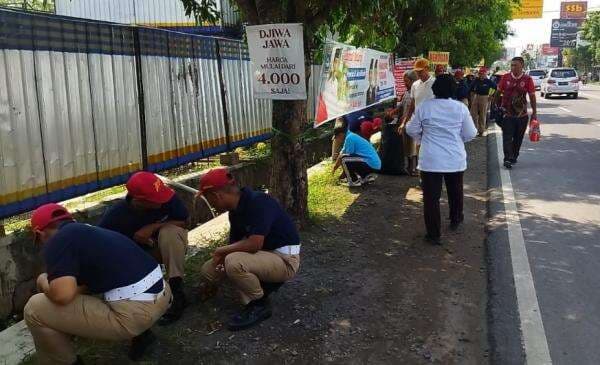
[{"x": 83, "y": 104}]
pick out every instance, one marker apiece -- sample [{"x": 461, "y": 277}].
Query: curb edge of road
[{"x": 503, "y": 320}]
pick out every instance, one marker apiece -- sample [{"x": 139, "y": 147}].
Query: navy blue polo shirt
[
  {"x": 259, "y": 214},
  {"x": 482, "y": 87},
  {"x": 98, "y": 258},
  {"x": 123, "y": 218}
]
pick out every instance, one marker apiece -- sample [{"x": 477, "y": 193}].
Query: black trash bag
[{"x": 391, "y": 151}]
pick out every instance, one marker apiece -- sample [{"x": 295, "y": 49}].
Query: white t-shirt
[
  {"x": 421, "y": 91},
  {"x": 442, "y": 126}
]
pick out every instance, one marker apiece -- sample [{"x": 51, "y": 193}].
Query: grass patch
[{"x": 327, "y": 199}]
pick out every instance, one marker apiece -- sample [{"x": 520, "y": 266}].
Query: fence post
[
  {"x": 223, "y": 97},
  {"x": 141, "y": 101}
]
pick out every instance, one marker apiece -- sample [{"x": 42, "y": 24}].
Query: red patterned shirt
[{"x": 511, "y": 87}]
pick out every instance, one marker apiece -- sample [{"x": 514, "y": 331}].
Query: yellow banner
[
  {"x": 439, "y": 58},
  {"x": 528, "y": 9}
]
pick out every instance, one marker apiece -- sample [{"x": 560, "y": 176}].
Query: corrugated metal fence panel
[
  {"x": 156, "y": 78},
  {"x": 22, "y": 176},
  {"x": 250, "y": 119},
  {"x": 208, "y": 96},
  {"x": 184, "y": 76},
  {"x": 118, "y": 11}
]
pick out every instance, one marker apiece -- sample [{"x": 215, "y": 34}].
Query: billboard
[
  {"x": 564, "y": 32},
  {"x": 353, "y": 79},
  {"x": 549, "y": 51},
  {"x": 573, "y": 10},
  {"x": 528, "y": 9}
]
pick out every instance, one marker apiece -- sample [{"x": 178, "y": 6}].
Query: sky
[{"x": 537, "y": 31}]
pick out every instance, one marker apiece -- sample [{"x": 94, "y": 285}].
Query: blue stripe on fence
[{"x": 29, "y": 204}]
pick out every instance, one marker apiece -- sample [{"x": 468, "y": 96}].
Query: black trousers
[
  {"x": 355, "y": 167},
  {"x": 391, "y": 151},
  {"x": 431, "y": 183},
  {"x": 513, "y": 130}
]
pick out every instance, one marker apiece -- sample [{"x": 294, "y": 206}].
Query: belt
[
  {"x": 289, "y": 250},
  {"x": 137, "y": 290}
]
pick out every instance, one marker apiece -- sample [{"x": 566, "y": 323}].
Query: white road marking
[
  {"x": 565, "y": 109},
  {"x": 532, "y": 327}
]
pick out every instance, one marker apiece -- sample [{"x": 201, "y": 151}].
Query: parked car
[
  {"x": 562, "y": 80},
  {"x": 537, "y": 75}
]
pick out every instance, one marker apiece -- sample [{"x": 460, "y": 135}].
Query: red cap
[
  {"x": 146, "y": 186},
  {"x": 47, "y": 214},
  {"x": 483, "y": 70},
  {"x": 215, "y": 178},
  {"x": 366, "y": 130}
]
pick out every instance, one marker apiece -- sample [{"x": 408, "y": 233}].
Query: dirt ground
[{"x": 369, "y": 291}]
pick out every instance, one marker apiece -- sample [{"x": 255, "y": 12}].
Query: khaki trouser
[
  {"x": 246, "y": 271},
  {"x": 52, "y": 325},
  {"x": 479, "y": 111},
  {"x": 171, "y": 249},
  {"x": 410, "y": 146},
  {"x": 465, "y": 101}
]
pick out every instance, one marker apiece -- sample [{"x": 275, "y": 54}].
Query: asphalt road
[{"x": 557, "y": 189}]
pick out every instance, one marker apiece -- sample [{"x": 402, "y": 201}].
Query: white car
[
  {"x": 561, "y": 80},
  {"x": 537, "y": 76}
]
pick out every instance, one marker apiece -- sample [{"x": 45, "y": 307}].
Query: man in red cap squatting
[
  {"x": 80, "y": 260},
  {"x": 154, "y": 217},
  {"x": 263, "y": 250},
  {"x": 480, "y": 88}
]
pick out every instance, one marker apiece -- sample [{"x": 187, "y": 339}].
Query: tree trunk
[{"x": 289, "y": 182}]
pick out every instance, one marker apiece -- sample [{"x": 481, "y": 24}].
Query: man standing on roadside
[
  {"x": 513, "y": 89},
  {"x": 154, "y": 217},
  {"x": 480, "y": 88},
  {"x": 462, "y": 89},
  {"x": 420, "y": 90}
]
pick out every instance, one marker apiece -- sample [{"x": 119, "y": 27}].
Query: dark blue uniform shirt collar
[{"x": 245, "y": 195}]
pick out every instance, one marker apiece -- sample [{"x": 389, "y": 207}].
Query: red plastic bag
[{"x": 534, "y": 130}]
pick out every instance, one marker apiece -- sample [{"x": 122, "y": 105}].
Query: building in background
[{"x": 167, "y": 14}]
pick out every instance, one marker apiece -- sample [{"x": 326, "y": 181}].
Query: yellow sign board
[
  {"x": 529, "y": 9},
  {"x": 439, "y": 58}
]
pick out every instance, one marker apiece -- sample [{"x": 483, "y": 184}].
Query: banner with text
[
  {"x": 400, "y": 68},
  {"x": 353, "y": 79},
  {"x": 277, "y": 61},
  {"x": 528, "y": 9},
  {"x": 439, "y": 58}
]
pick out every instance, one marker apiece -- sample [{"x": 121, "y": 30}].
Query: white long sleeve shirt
[{"x": 441, "y": 127}]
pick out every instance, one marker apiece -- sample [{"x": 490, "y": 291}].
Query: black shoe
[
  {"x": 79, "y": 361},
  {"x": 513, "y": 161},
  {"x": 433, "y": 240},
  {"x": 254, "y": 313},
  {"x": 140, "y": 344},
  {"x": 179, "y": 303},
  {"x": 508, "y": 164}
]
